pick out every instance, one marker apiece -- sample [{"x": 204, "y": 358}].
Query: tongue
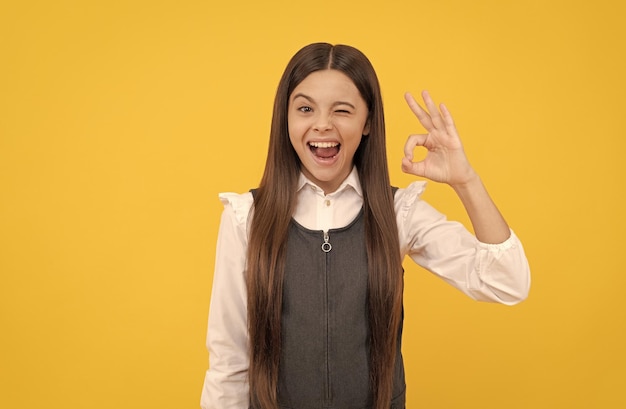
[{"x": 326, "y": 152}]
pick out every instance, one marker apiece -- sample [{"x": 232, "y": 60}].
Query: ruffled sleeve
[
  {"x": 485, "y": 272},
  {"x": 225, "y": 383},
  {"x": 240, "y": 205}
]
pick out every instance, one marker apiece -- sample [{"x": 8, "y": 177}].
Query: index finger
[{"x": 419, "y": 112}]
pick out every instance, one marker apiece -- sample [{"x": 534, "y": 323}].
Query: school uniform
[{"x": 324, "y": 293}]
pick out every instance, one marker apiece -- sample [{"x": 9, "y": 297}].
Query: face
[{"x": 327, "y": 118}]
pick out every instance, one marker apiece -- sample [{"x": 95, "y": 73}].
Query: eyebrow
[{"x": 308, "y": 98}]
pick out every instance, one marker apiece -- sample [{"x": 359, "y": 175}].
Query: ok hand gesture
[{"x": 445, "y": 160}]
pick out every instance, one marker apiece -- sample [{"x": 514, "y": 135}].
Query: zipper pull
[{"x": 326, "y": 246}]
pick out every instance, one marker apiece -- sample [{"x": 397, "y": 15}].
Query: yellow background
[{"x": 120, "y": 121}]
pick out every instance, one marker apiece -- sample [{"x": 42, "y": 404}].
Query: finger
[
  {"x": 447, "y": 119},
  {"x": 419, "y": 112},
  {"x": 412, "y": 142},
  {"x": 413, "y": 168},
  {"x": 435, "y": 116}
]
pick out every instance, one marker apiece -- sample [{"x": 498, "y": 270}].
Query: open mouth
[{"x": 325, "y": 150}]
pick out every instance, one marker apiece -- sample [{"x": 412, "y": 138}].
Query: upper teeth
[{"x": 323, "y": 144}]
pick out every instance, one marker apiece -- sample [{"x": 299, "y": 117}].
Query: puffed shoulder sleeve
[
  {"x": 485, "y": 272},
  {"x": 225, "y": 383}
]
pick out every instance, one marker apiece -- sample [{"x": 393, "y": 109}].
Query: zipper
[{"x": 326, "y": 248}]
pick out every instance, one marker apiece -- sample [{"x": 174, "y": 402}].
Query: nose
[{"x": 323, "y": 122}]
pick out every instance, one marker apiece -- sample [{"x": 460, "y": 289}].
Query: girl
[{"x": 306, "y": 307}]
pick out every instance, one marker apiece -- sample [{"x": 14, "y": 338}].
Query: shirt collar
[{"x": 352, "y": 181}]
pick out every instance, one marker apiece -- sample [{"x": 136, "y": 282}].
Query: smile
[{"x": 325, "y": 150}]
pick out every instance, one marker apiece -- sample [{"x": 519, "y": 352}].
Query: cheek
[
  {"x": 365, "y": 126},
  {"x": 293, "y": 142},
  {"x": 355, "y": 132},
  {"x": 295, "y": 138},
  {"x": 296, "y": 130},
  {"x": 292, "y": 132}
]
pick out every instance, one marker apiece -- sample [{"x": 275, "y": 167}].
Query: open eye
[{"x": 305, "y": 109}]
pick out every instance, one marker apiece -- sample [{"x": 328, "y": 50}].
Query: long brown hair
[{"x": 273, "y": 207}]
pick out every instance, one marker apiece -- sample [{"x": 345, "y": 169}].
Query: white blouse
[{"x": 485, "y": 272}]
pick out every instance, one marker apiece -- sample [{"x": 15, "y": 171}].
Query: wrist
[{"x": 469, "y": 183}]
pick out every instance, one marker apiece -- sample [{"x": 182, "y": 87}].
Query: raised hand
[{"x": 445, "y": 160}]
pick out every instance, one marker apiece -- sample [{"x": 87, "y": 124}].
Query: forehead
[{"x": 327, "y": 84}]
